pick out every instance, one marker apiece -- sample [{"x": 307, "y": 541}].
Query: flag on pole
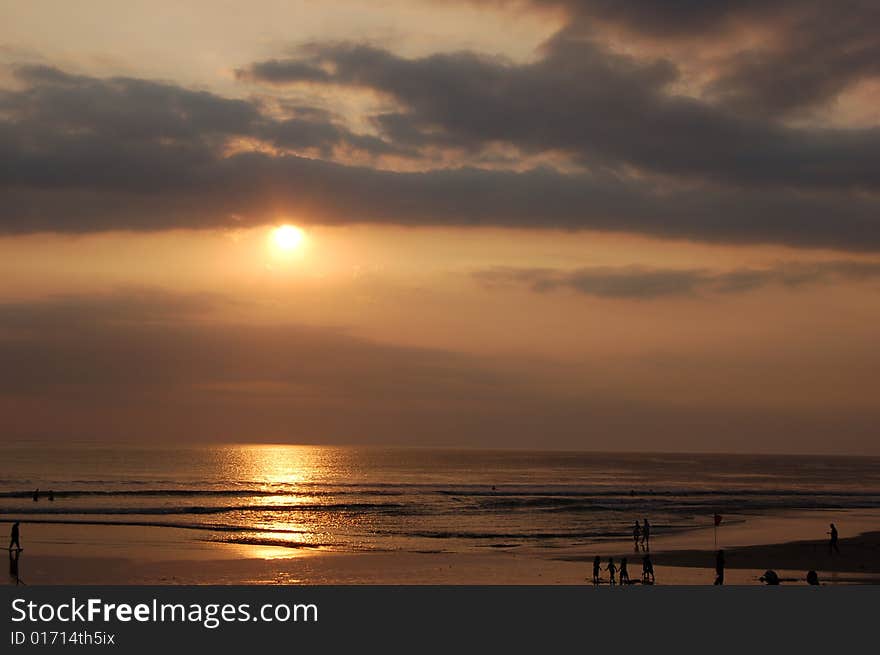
[{"x": 717, "y": 520}]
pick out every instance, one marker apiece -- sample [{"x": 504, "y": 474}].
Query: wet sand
[
  {"x": 860, "y": 554},
  {"x": 100, "y": 554}
]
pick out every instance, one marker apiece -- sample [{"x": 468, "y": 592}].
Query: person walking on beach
[
  {"x": 832, "y": 545},
  {"x": 719, "y": 568},
  {"x": 646, "y": 536},
  {"x": 612, "y": 569},
  {"x": 624, "y": 574},
  {"x": 14, "y": 538},
  {"x": 647, "y": 570},
  {"x": 637, "y": 534},
  {"x": 597, "y": 565}
]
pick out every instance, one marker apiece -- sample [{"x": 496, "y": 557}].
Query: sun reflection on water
[{"x": 292, "y": 477}]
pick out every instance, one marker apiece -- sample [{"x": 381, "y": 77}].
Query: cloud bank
[
  {"x": 636, "y": 283},
  {"x": 145, "y": 365},
  {"x": 626, "y": 149}
]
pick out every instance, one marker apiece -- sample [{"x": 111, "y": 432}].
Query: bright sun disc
[{"x": 288, "y": 237}]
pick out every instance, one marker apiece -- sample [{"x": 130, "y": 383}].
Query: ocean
[{"x": 419, "y": 500}]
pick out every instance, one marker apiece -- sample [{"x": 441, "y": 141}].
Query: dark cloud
[
  {"x": 79, "y": 153},
  {"x": 297, "y": 133},
  {"x": 667, "y": 18},
  {"x": 122, "y": 108},
  {"x": 637, "y": 283},
  {"x": 604, "y": 109},
  {"x": 279, "y": 70},
  {"x": 812, "y": 51},
  {"x": 820, "y": 50},
  {"x": 82, "y": 117},
  {"x": 181, "y": 192}
]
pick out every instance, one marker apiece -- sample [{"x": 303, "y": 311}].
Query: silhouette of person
[
  {"x": 719, "y": 568},
  {"x": 597, "y": 565},
  {"x": 832, "y": 544},
  {"x": 770, "y": 577},
  {"x": 647, "y": 570},
  {"x": 36, "y": 494},
  {"x": 14, "y": 537},
  {"x": 51, "y": 495},
  {"x": 612, "y": 569},
  {"x": 812, "y": 578},
  {"x": 637, "y": 534},
  {"x": 646, "y": 536},
  {"x": 624, "y": 574},
  {"x": 13, "y": 566}
]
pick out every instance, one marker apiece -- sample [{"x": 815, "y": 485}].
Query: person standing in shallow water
[
  {"x": 719, "y": 568},
  {"x": 637, "y": 535},
  {"x": 646, "y": 536},
  {"x": 832, "y": 544},
  {"x": 36, "y": 494},
  {"x": 597, "y": 565},
  {"x": 624, "y": 574}
]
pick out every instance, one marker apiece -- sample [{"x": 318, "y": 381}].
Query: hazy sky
[{"x": 586, "y": 224}]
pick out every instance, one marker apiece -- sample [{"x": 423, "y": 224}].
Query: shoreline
[{"x": 96, "y": 554}]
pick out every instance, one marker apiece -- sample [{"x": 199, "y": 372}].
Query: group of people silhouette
[
  {"x": 641, "y": 541},
  {"x": 619, "y": 574},
  {"x": 770, "y": 576},
  {"x": 614, "y": 571}
]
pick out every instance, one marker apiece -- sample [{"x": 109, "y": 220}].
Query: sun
[{"x": 288, "y": 237}]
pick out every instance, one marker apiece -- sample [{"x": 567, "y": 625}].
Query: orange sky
[{"x": 691, "y": 308}]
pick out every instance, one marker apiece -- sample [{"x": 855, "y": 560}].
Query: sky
[{"x": 571, "y": 224}]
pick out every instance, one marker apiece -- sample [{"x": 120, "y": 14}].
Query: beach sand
[{"x": 101, "y": 554}]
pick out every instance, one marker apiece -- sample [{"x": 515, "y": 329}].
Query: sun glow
[{"x": 288, "y": 237}]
